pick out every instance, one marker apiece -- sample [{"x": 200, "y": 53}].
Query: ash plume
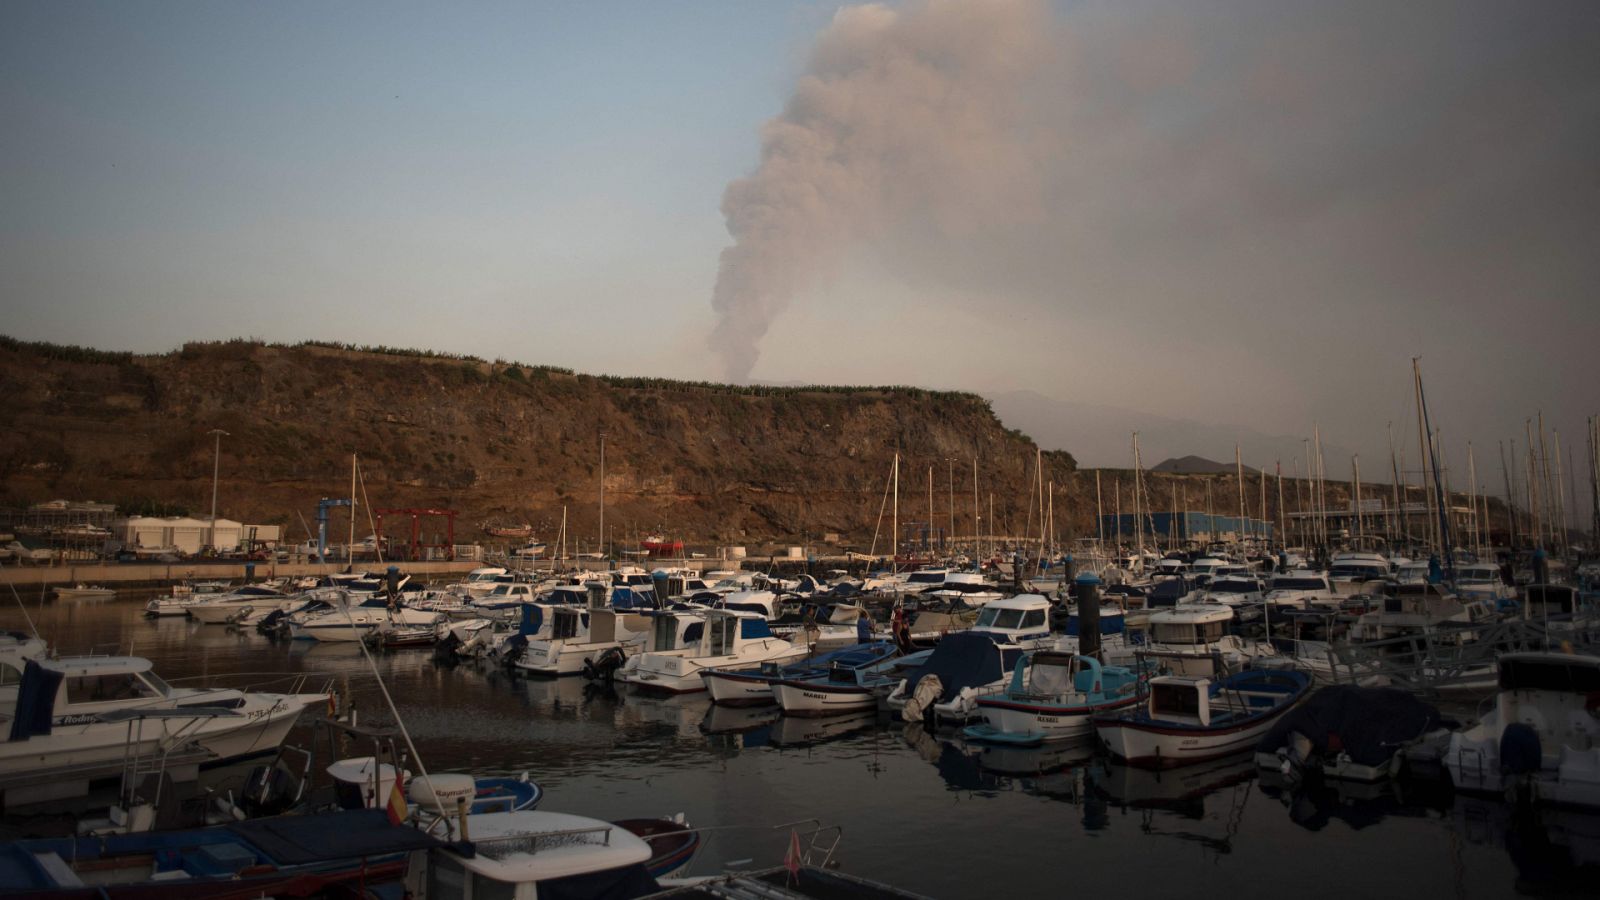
[{"x": 897, "y": 111}]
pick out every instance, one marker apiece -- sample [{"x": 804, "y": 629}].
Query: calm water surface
[{"x": 920, "y": 810}]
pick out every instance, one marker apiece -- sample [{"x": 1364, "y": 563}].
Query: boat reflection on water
[
  {"x": 682, "y": 713},
  {"x": 1314, "y": 803},
  {"x": 794, "y": 731},
  {"x": 721, "y": 720},
  {"x": 1043, "y": 760},
  {"x": 1181, "y": 790},
  {"x": 1556, "y": 851}
]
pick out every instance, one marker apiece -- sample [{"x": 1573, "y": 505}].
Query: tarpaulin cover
[
  {"x": 1367, "y": 723},
  {"x": 964, "y": 659},
  {"x": 36, "y": 702},
  {"x": 299, "y": 840}
]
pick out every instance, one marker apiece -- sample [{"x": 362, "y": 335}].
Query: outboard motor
[
  {"x": 605, "y": 667},
  {"x": 513, "y": 649},
  {"x": 267, "y": 791},
  {"x": 271, "y": 625},
  {"x": 444, "y": 649}
]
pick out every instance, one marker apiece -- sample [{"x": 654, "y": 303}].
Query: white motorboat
[
  {"x": 617, "y": 618},
  {"x": 84, "y": 592},
  {"x": 347, "y": 622},
  {"x": 732, "y": 639},
  {"x": 1022, "y": 621},
  {"x": 1192, "y": 638},
  {"x": 1541, "y": 739},
  {"x": 1350, "y": 574},
  {"x": 964, "y": 589},
  {"x": 1301, "y": 589},
  {"x": 1482, "y": 581},
  {"x": 235, "y": 605},
  {"x": 91, "y": 710}
]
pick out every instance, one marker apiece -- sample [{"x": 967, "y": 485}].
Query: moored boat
[
  {"x": 754, "y": 686},
  {"x": 1052, "y": 696},
  {"x": 1190, "y": 718}
]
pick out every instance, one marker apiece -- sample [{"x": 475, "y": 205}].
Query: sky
[{"x": 1241, "y": 215}]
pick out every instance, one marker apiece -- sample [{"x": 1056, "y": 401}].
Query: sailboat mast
[
  {"x": 1238, "y": 466},
  {"x": 602, "y": 544},
  {"x": 1138, "y": 519},
  {"x": 1561, "y": 503},
  {"x": 350, "y": 548},
  {"x": 1472, "y": 499},
  {"x": 894, "y": 521},
  {"x": 1396, "y": 516},
  {"x": 977, "y": 520},
  {"x": 1099, "y": 511},
  {"x": 1355, "y": 468},
  {"x": 1422, "y": 450}
]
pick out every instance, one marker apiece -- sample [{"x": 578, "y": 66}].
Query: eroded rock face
[{"x": 511, "y": 443}]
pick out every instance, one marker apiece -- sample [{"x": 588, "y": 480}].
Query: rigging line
[
  {"x": 393, "y": 710},
  {"x": 22, "y": 606}
]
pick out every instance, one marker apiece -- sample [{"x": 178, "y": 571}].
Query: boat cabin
[
  {"x": 726, "y": 631},
  {"x": 763, "y": 603},
  {"x": 530, "y": 854},
  {"x": 622, "y": 598},
  {"x": 84, "y": 687},
  {"x": 1020, "y": 618},
  {"x": 1190, "y": 625},
  {"x": 676, "y": 631},
  {"x": 1549, "y": 601}
]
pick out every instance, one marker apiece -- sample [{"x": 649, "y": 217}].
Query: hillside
[
  {"x": 496, "y": 441},
  {"x": 1197, "y": 465}
]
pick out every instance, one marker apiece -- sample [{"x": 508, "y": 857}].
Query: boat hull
[
  {"x": 1157, "y": 746},
  {"x": 802, "y": 698},
  {"x": 738, "y": 688},
  {"x": 1026, "y": 724}
]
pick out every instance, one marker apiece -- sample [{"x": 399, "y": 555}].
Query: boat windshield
[
  {"x": 1188, "y": 633},
  {"x": 926, "y": 578},
  {"x": 157, "y": 683},
  {"x": 1358, "y": 571},
  {"x": 1234, "y": 586},
  {"x": 482, "y": 577},
  {"x": 1299, "y": 584},
  {"x": 993, "y": 617}
]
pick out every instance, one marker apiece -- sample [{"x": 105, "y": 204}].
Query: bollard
[{"x": 1088, "y": 590}]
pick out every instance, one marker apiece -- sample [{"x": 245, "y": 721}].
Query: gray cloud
[{"x": 1315, "y": 190}]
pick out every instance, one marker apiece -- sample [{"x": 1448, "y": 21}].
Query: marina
[{"x": 894, "y": 788}]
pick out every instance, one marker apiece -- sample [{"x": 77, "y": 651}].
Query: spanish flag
[{"x": 397, "y": 799}]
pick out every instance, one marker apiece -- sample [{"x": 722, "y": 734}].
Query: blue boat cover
[
  {"x": 532, "y": 619},
  {"x": 965, "y": 659},
  {"x": 754, "y": 629},
  {"x": 36, "y": 702},
  {"x": 1370, "y": 724},
  {"x": 300, "y": 840}
]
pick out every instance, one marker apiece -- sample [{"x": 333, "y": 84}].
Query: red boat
[{"x": 660, "y": 546}]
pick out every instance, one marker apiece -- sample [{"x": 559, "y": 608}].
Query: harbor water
[{"x": 921, "y": 810}]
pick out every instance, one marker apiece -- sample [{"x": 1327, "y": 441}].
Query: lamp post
[{"x": 216, "y": 465}]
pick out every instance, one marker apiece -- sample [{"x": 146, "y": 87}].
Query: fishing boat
[
  {"x": 1052, "y": 696},
  {"x": 1190, "y": 718},
  {"x": 672, "y": 843},
  {"x": 730, "y": 639},
  {"x": 843, "y": 689},
  {"x": 1349, "y": 733},
  {"x": 753, "y": 686},
  {"x": 1542, "y": 738},
  {"x": 348, "y": 622},
  {"x": 364, "y": 783}
]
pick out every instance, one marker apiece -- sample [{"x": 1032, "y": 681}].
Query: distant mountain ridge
[{"x": 1198, "y": 465}]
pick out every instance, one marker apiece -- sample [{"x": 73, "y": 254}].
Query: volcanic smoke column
[{"x": 903, "y": 116}]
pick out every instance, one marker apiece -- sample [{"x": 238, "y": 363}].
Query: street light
[{"x": 216, "y": 464}]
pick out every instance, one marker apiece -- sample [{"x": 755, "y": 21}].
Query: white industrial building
[{"x": 175, "y": 534}]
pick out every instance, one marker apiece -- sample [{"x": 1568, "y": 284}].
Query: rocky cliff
[{"x": 499, "y": 442}]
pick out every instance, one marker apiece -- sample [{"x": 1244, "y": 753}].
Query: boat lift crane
[{"x": 323, "y": 506}]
